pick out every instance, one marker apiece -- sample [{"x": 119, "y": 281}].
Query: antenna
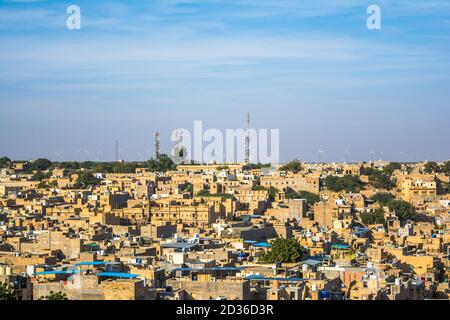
[
  {"x": 247, "y": 139},
  {"x": 117, "y": 151},
  {"x": 156, "y": 140}
]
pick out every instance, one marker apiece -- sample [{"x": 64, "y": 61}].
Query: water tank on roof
[
  {"x": 398, "y": 281},
  {"x": 304, "y": 267}
]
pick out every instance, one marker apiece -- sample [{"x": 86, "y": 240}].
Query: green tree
[
  {"x": 187, "y": 187},
  {"x": 203, "y": 193},
  {"x": 383, "y": 198},
  {"x": 7, "y": 292},
  {"x": 207, "y": 193},
  {"x": 391, "y": 167},
  {"x": 272, "y": 192},
  {"x": 369, "y": 171},
  {"x": 310, "y": 197},
  {"x": 55, "y": 296},
  {"x": 381, "y": 180},
  {"x": 257, "y": 188},
  {"x": 125, "y": 167},
  {"x": 375, "y": 217},
  {"x": 284, "y": 251},
  {"x": 87, "y": 164},
  {"x": 39, "y": 176},
  {"x": 252, "y": 166},
  {"x": 86, "y": 180},
  {"x": 70, "y": 165},
  {"x": 4, "y": 162},
  {"x": 162, "y": 164},
  {"x": 104, "y": 167},
  {"x": 294, "y": 166},
  {"x": 431, "y": 167},
  {"x": 41, "y": 164},
  {"x": 403, "y": 210},
  {"x": 446, "y": 167},
  {"x": 348, "y": 183}
]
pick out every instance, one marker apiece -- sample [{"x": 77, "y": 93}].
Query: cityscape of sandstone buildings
[{"x": 367, "y": 231}]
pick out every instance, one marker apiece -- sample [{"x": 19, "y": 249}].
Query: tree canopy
[
  {"x": 375, "y": 217},
  {"x": 310, "y": 197},
  {"x": 4, "y": 162},
  {"x": 86, "y": 180},
  {"x": 7, "y": 292},
  {"x": 39, "y": 176},
  {"x": 207, "y": 193},
  {"x": 431, "y": 167},
  {"x": 187, "y": 187},
  {"x": 252, "y": 166},
  {"x": 55, "y": 296},
  {"x": 348, "y": 183},
  {"x": 391, "y": 167},
  {"x": 162, "y": 164},
  {"x": 383, "y": 198},
  {"x": 40, "y": 164},
  {"x": 446, "y": 167},
  {"x": 284, "y": 251},
  {"x": 403, "y": 210},
  {"x": 294, "y": 165},
  {"x": 382, "y": 179}
]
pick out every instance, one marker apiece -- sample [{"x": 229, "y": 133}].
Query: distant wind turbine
[
  {"x": 319, "y": 155},
  {"x": 57, "y": 155},
  {"x": 347, "y": 153},
  {"x": 372, "y": 155},
  {"x": 99, "y": 154}
]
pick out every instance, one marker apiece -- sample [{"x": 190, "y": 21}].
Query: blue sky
[{"x": 309, "y": 68}]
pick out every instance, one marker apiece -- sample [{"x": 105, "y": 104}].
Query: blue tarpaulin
[
  {"x": 56, "y": 272},
  {"x": 118, "y": 275},
  {"x": 262, "y": 245},
  {"x": 91, "y": 263}
]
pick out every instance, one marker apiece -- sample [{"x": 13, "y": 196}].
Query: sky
[{"x": 310, "y": 68}]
